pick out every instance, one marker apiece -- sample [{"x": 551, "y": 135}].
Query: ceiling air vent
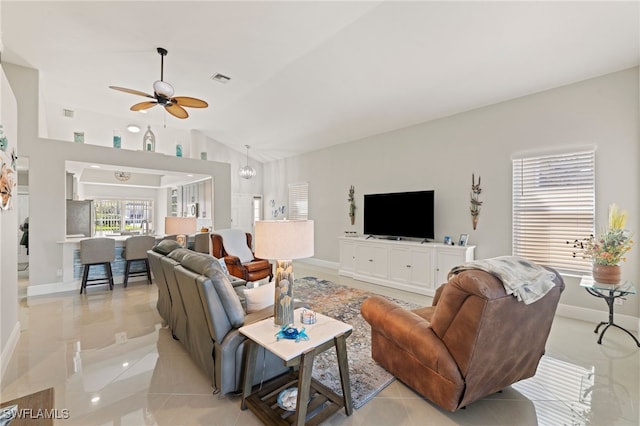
[
  {"x": 67, "y": 113},
  {"x": 220, "y": 78}
]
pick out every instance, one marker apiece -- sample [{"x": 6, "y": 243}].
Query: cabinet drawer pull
[
  {"x": 370, "y": 260},
  {"x": 408, "y": 266}
]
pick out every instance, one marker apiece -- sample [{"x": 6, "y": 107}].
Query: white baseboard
[
  {"x": 60, "y": 287},
  {"x": 321, "y": 263},
  {"x": 569, "y": 311},
  {"x": 593, "y": 315},
  {"x": 50, "y": 288},
  {"x": 7, "y": 351}
]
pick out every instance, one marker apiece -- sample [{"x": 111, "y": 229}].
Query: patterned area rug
[{"x": 343, "y": 303}]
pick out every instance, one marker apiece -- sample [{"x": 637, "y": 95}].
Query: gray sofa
[{"x": 204, "y": 311}]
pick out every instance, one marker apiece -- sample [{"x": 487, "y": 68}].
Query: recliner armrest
[
  {"x": 232, "y": 260},
  {"x": 437, "y": 295},
  {"x": 410, "y": 332}
]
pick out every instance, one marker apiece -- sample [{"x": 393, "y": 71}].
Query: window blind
[
  {"x": 298, "y": 201},
  {"x": 553, "y": 205}
]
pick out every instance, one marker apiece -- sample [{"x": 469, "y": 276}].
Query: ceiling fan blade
[
  {"x": 187, "y": 101},
  {"x": 133, "y": 92},
  {"x": 176, "y": 110},
  {"x": 143, "y": 105}
]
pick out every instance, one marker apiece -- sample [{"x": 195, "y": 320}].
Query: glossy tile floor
[{"x": 111, "y": 363}]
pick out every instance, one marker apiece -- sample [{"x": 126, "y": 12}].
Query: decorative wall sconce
[
  {"x": 352, "y": 205},
  {"x": 475, "y": 202}
]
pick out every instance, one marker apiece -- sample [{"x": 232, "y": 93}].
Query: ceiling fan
[{"x": 163, "y": 95}]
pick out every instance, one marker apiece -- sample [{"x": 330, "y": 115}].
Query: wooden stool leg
[
  {"x": 126, "y": 273},
  {"x": 85, "y": 276},
  {"x": 110, "y": 275},
  {"x": 146, "y": 265}
]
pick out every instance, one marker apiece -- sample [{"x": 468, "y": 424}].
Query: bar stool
[
  {"x": 97, "y": 251},
  {"x": 135, "y": 250}
]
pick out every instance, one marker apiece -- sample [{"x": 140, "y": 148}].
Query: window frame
[
  {"x": 298, "y": 201},
  {"x": 123, "y": 207},
  {"x": 553, "y": 204}
]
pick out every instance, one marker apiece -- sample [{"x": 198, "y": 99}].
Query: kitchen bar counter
[
  {"x": 72, "y": 239},
  {"x": 71, "y": 272}
]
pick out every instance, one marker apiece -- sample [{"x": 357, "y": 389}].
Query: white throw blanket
[
  {"x": 235, "y": 243},
  {"x": 521, "y": 278}
]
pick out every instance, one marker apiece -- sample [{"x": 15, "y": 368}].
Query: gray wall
[
  {"x": 442, "y": 155},
  {"x": 9, "y": 326}
]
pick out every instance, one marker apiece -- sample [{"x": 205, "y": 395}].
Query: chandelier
[
  {"x": 122, "y": 176},
  {"x": 247, "y": 172}
]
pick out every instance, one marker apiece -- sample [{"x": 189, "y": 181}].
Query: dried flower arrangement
[
  {"x": 352, "y": 205},
  {"x": 475, "y": 202},
  {"x": 611, "y": 244}
]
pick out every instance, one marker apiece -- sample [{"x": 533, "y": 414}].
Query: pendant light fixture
[{"x": 247, "y": 172}]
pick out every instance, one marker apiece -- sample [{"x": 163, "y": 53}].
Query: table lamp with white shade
[
  {"x": 181, "y": 227},
  {"x": 283, "y": 241}
]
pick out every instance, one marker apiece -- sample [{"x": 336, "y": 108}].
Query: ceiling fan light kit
[
  {"x": 163, "y": 88},
  {"x": 163, "y": 95}
]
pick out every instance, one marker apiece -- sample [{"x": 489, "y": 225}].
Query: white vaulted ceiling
[{"x": 305, "y": 74}]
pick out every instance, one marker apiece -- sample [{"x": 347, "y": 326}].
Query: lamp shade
[
  {"x": 284, "y": 239},
  {"x": 180, "y": 225}
]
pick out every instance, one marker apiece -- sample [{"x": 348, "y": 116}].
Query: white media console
[{"x": 402, "y": 264}]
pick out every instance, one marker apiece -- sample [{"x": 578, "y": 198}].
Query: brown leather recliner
[
  {"x": 474, "y": 341},
  {"x": 254, "y": 270}
]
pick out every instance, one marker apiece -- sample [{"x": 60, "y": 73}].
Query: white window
[
  {"x": 553, "y": 205},
  {"x": 298, "y": 201},
  {"x": 123, "y": 215},
  {"x": 257, "y": 209}
]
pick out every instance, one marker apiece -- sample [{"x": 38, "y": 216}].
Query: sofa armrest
[{"x": 411, "y": 333}]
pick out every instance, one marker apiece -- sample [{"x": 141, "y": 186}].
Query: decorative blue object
[{"x": 291, "y": 333}]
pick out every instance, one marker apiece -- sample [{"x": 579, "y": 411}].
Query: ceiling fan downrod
[{"x": 163, "y": 52}]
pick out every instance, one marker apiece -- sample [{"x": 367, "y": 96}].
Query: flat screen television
[{"x": 400, "y": 214}]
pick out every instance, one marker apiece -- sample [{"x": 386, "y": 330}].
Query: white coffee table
[{"x": 322, "y": 401}]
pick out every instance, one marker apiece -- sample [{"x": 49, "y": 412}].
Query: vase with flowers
[{"x": 607, "y": 249}]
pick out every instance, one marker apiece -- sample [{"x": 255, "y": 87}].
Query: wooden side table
[
  {"x": 609, "y": 292},
  {"x": 315, "y": 401}
]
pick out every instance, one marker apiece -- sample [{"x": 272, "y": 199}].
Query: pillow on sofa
[
  {"x": 179, "y": 254},
  {"x": 260, "y": 297},
  {"x": 166, "y": 246}
]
